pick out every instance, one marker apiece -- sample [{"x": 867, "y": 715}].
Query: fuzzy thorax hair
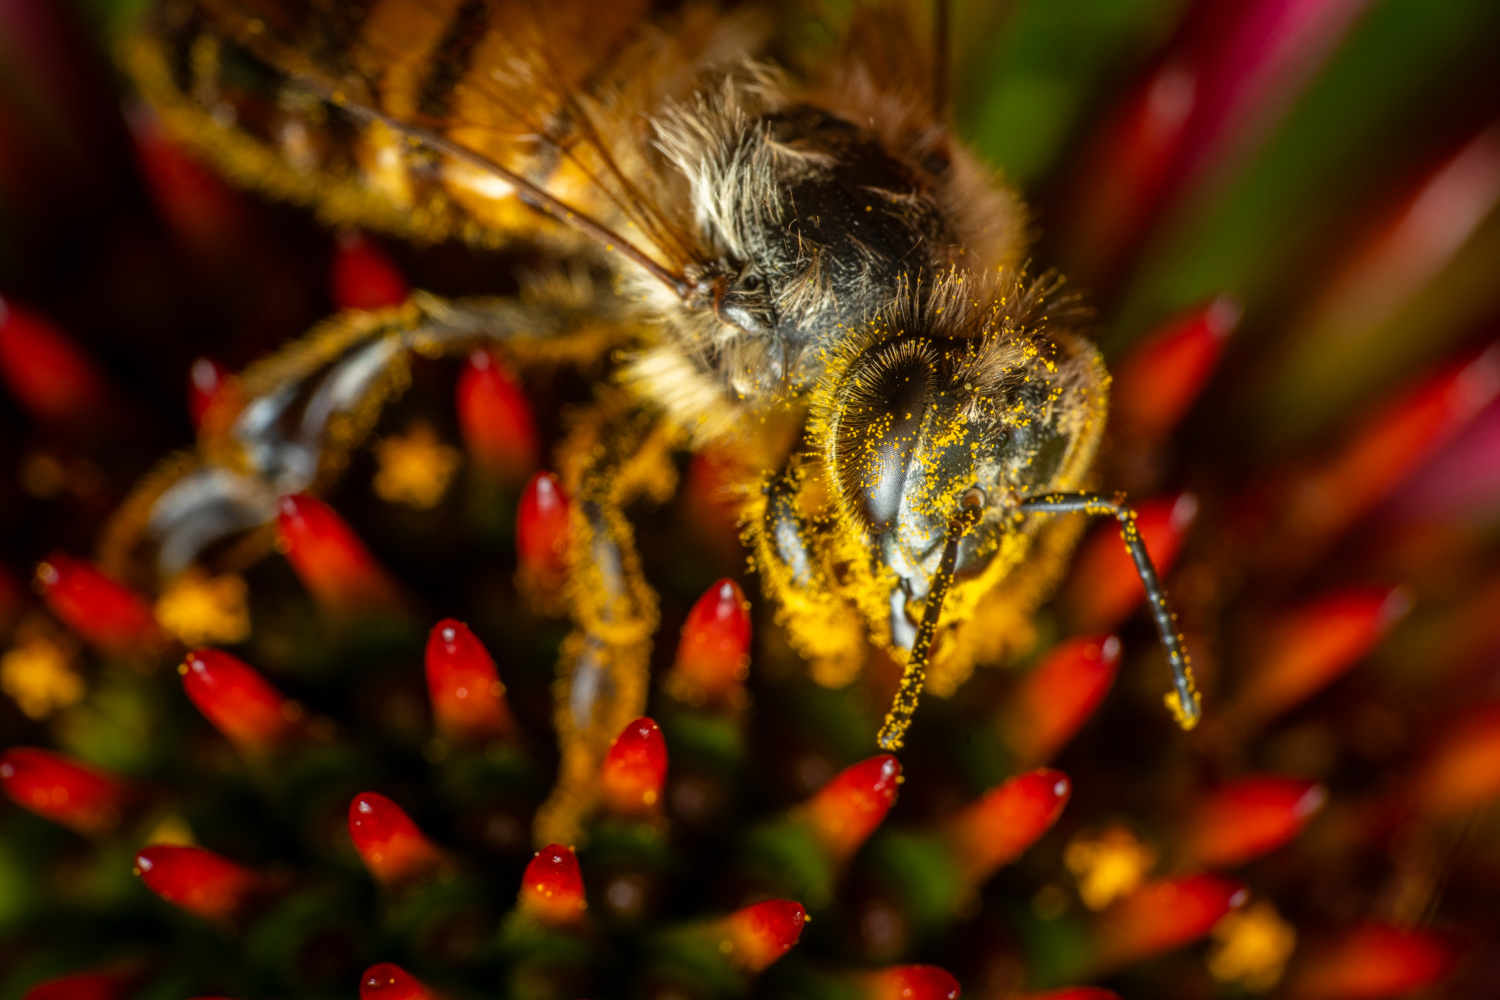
[{"x": 813, "y": 210}]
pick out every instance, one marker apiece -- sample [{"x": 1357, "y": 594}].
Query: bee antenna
[
  {"x": 1183, "y": 701},
  {"x": 914, "y": 677}
]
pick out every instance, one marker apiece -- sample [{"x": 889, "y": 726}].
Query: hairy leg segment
[{"x": 615, "y": 454}]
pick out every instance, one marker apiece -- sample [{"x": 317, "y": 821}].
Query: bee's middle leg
[{"x": 615, "y": 454}]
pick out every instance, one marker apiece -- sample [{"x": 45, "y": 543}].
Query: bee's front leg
[
  {"x": 826, "y": 629},
  {"x": 614, "y": 454}
]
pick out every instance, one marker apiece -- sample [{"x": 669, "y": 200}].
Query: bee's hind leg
[
  {"x": 291, "y": 419},
  {"x": 614, "y": 454}
]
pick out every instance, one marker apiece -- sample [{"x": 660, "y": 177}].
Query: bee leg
[
  {"x": 914, "y": 676},
  {"x": 821, "y": 626},
  {"x": 1183, "y": 702},
  {"x": 293, "y": 417},
  {"x": 604, "y": 668}
]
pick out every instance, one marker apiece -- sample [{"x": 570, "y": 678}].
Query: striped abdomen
[{"x": 556, "y": 92}]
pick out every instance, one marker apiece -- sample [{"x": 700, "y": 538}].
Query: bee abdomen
[
  {"x": 255, "y": 86},
  {"x": 265, "y": 131}
]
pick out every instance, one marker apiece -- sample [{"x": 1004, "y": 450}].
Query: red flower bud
[
  {"x": 205, "y": 382},
  {"x": 468, "y": 700},
  {"x": 713, "y": 657},
  {"x": 1128, "y": 169},
  {"x": 105, "y": 613},
  {"x": 199, "y": 881},
  {"x": 634, "y": 769},
  {"x": 388, "y": 981},
  {"x": 1372, "y": 963},
  {"x": 239, "y": 702},
  {"x": 46, "y": 372},
  {"x": 1157, "y": 382},
  {"x": 1462, "y": 772},
  {"x": 1163, "y": 915},
  {"x": 710, "y": 497},
  {"x": 364, "y": 277},
  {"x": 1057, "y": 697},
  {"x": 552, "y": 887},
  {"x": 495, "y": 418},
  {"x": 1008, "y": 819},
  {"x": 542, "y": 527},
  {"x": 1385, "y": 449},
  {"x": 1248, "y": 818},
  {"x": 331, "y": 561},
  {"x": 388, "y": 842},
  {"x": 62, "y": 789},
  {"x": 756, "y": 936},
  {"x": 910, "y": 982},
  {"x": 1310, "y": 647},
  {"x": 1105, "y": 587},
  {"x": 84, "y": 986},
  {"x": 206, "y": 215},
  {"x": 845, "y": 812}
]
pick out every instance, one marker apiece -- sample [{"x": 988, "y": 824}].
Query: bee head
[
  {"x": 964, "y": 394},
  {"x": 808, "y": 224}
]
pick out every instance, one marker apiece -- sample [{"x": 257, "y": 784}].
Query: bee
[{"x": 761, "y": 242}]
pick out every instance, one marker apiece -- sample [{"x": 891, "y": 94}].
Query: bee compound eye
[{"x": 881, "y": 418}]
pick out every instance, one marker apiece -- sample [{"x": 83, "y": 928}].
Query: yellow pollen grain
[
  {"x": 414, "y": 469},
  {"x": 1251, "y": 947},
  {"x": 202, "y": 610},
  {"x": 1108, "y": 864},
  {"x": 38, "y": 675},
  {"x": 173, "y": 829}
]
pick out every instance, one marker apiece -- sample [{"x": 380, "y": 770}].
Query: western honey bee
[{"x": 802, "y": 243}]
